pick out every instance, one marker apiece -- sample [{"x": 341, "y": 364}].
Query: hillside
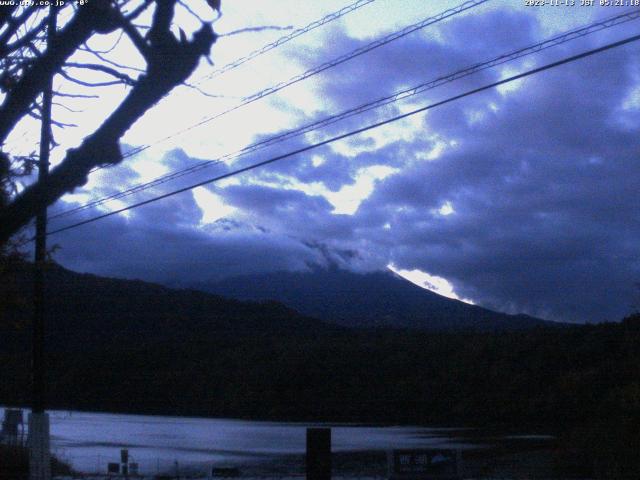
[
  {"x": 127, "y": 346},
  {"x": 379, "y": 299},
  {"x": 85, "y": 311}
]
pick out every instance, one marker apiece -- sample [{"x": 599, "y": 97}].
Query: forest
[{"x": 209, "y": 356}]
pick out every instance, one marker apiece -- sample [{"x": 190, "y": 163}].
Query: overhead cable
[
  {"x": 400, "y": 95},
  {"x": 325, "y": 66},
  {"x": 286, "y": 38},
  {"x": 351, "y": 133}
]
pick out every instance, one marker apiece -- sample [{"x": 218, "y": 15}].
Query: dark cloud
[
  {"x": 542, "y": 179},
  {"x": 170, "y": 250},
  {"x": 543, "y": 188}
]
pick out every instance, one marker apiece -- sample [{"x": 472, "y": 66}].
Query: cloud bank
[{"x": 523, "y": 198}]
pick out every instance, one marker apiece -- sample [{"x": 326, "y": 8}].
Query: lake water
[{"x": 88, "y": 441}]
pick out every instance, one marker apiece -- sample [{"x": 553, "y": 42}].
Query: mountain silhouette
[{"x": 368, "y": 300}]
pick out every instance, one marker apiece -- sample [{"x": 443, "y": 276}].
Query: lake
[{"x": 88, "y": 441}]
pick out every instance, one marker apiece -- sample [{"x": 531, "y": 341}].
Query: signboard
[
  {"x": 436, "y": 464},
  {"x": 225, "y": 472},
  {"x": 318, "y": 459}
]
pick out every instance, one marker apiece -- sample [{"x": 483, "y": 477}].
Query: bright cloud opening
[
  {"x": 213, "y": 208},
  {"x": 446, "y": 209},
  {"x": 436, "y": 284},
  {"x": 347, "y": 200}
]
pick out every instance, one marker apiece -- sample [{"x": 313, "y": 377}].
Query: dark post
[
  {"x": 124, "y": 459},
  {"x": 318, "y": 454},
  {"x": 41, "y": 238},
  {"x": 39, "y": 459}
]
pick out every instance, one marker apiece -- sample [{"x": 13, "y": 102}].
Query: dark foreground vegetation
[
  {"x": 131, "y": 347},
  {"x": 14, "y": 464}
]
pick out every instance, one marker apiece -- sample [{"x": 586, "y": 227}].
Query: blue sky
[{"x": 521, "y": 199}]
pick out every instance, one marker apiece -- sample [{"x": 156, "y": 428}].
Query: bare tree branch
[
  {"x": 202, "y": 92},
  {"x": 138, "y": 11},
  {"x": 67, "y": 108},
  {"x": 90, "y": 84},
  {"x": 170, "y": 64},
  {"x": 124, "y": 78},
  {"x": 134, "y": 36},
  {"x": 160, "y": 35},
  {"x": 86, "y": 47},
  {"x": 6, "y": 15},
  {"x": 37, "y": 116},
  {"x": 24, "y": 41},
  {"x": 73, "y": 95},
  {"x": 18, "y": 99},
  {"x": 13, "y": 24},
  {"x": 256, "y": 29},
  {"x": 111, "y": 62},
  {"x": 186, "y": 6}
]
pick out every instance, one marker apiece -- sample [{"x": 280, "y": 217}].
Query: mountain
[
  {"x": 378, "y": 299},
  {"x": 85, "y": 310},
  {"x": 130, "y": 346}
]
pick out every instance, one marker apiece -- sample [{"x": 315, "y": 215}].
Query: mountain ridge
[
  {"x": 84, "y": 308},
  {"x": 370, "y": 300}
]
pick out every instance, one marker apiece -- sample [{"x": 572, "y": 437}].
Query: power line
[
  {"x": 371, "y": 46},
  {"x": 534, "y": 71},
  {"x": 309, "y": 73},
  {"x": 325, "y": 66},
  {"x": 401, "y": 95},
  {"x": 264, "y": 49},
  {"x": 285, "y": 38}
]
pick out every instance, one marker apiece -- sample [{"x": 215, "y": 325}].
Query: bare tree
[{"x": 27, "y": 61}]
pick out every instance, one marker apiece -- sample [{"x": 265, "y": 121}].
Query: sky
[{"x": 522, "y": 198}]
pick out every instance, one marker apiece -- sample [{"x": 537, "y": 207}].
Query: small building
[{"x": 12, "y": 432}]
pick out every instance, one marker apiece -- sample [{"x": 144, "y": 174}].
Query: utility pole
[{"x": 39, "y": 447}]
